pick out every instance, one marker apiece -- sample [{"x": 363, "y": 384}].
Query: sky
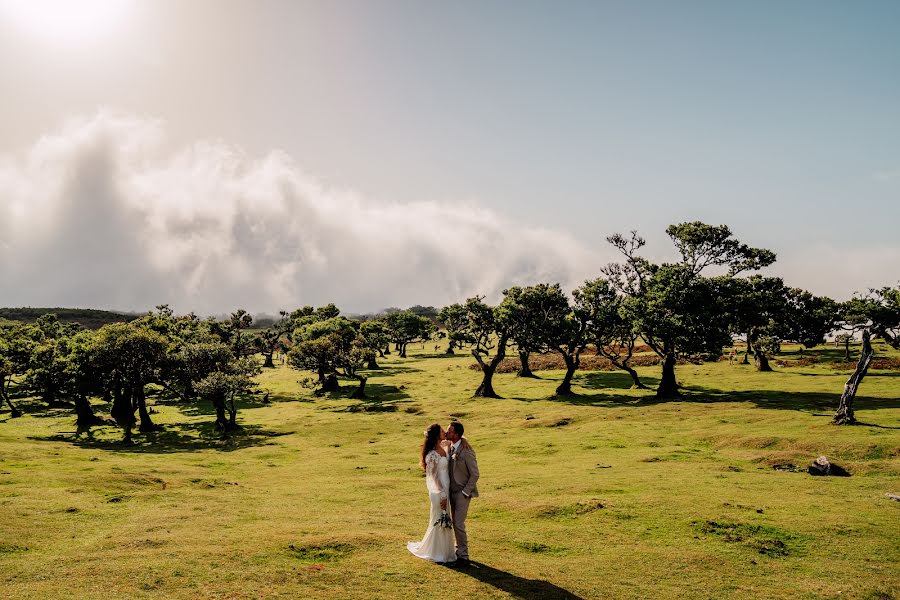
[{"x": 270, "y": 154}]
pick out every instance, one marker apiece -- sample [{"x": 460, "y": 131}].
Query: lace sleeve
[{"x": 433, "y": 477}]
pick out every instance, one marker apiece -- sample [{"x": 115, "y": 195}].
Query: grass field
[{"x": 607, "y": 494}]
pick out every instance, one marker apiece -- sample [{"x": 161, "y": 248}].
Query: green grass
[{"x": 606, "y": 494}]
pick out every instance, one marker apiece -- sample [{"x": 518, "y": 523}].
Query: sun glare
[{"x": 65, "y": 20}]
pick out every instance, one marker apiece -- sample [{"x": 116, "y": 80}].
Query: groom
[{"x": 463, "y": 475}]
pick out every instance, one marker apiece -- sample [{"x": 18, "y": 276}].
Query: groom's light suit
[{"x": 463, "y": 475}]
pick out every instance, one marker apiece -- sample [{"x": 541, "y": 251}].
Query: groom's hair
[{"x": 457, "y": 427}]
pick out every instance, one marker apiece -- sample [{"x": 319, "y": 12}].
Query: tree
[
  {"x": 375, "y": 337},
  {"x": 488, "y": 331},
  {"x": 84, "y": 377},
  {"x": 8, "y": 368},
  {"x": 329, "y": 348},
  {"x": 612, "y": 334},
  {"x": 221, "y": 386},
  {"x": 807, "y": 318},
  {"x": 405, "y": 327},
  {"x": 879, "y": 311},
  {"x": 677, "y": 310},
  {"x": 455, "y": 320},
  {"x": 533, "y": 317},
  {"x": 131, "y": 355},
  {"x": 237, "y": 322},
  {"x": 757, "y": 307},
  {"x": 566, "y": 331},
  {"x": 271, "y": 339}
]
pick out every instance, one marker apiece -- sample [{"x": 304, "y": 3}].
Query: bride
[{"x": 438, "y": 543}]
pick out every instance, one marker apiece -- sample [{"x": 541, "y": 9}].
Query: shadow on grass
[
  {"x": 773, "y": 399},
  {"x": 379, "y": 398},
  {"x": 174, "y": 438},
  {"x": 517, "y": 587}
]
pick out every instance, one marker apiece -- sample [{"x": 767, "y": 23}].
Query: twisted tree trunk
[
  {"x": 486, "y": 389},
  {"x": 636, "y": 381},
  {"x": 524, "y": 368},
  {"x": 4, "y": 396},
  {"x": 761, "y": 361},
  {"x": 844, "y": 414},
  {"x": 572, "y": 361}
]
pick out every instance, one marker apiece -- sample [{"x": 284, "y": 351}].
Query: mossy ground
[{"x": 606, "y": 494}]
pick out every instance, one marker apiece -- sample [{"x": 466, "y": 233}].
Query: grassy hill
[
  {"x": 606, "y": 494},
  {"x": 90, "y": 318}
]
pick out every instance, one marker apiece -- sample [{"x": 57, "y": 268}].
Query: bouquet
[{"x": 444, "y": 520}]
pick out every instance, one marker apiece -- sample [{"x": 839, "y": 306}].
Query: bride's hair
[{"x": 431, "y": 440}]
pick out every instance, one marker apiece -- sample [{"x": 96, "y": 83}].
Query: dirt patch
[
  {"x": 768, "y": 541},
  {"x": 321, "y": 552},
  {"x": 540, "y": 548},
  {"x": 570, "y": 511}
]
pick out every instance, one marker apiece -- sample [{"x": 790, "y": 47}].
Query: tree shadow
[
  {"x": 379, "y": 398},
  {"x": 35, "y": 407},
  {"x": 174, "y": 438},
  {"x": 697, "y": 394},
  {"x": 517, "y": 587},
  {"x": 613, "y": 380}
]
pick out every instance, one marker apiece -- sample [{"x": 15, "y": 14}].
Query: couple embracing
[{"x": 451, "y": 472}]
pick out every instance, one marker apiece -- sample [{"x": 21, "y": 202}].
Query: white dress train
[{"x": 439, "y": 543}]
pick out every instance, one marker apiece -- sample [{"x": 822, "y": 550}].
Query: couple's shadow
[{"x": 517, "y": 587}]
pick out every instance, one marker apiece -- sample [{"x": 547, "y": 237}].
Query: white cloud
[{"x": 98, "y": 215}]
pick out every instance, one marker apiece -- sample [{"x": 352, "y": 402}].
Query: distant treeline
[{"x": 90, "y": 318}]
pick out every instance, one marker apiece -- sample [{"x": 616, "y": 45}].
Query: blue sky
[{"x": 780, "y": 119}]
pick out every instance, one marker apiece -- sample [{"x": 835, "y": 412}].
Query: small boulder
[{"x": 823, "y": 467}]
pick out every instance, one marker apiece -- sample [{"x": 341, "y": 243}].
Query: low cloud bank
[{"x": 99, "y": 215}]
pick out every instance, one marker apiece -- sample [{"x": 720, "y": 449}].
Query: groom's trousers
[{"x": 459, "y": 504}]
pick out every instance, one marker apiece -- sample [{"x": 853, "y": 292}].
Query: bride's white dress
[{"x": 438, "y": 543}]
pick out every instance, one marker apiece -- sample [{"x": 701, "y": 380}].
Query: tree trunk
[
  {"x": 85, "y": 416},
  {"x": 360, "y": 392},
  {"x": 636, "y": 385},
  {"x": 387, "y": 350},
  {"x": 565, "y": 388},
  {"x": 219, "y": 404},
  {"x": 844, "y": 414},
  {"x": 450, "y": 347},
  {"x": 761, "y": 361},
  {"x": 746, "y": 359},
  {"x": 13, "y": 411},
  {"x": 232, "y": 413},
  {"x": 4, "y": 396},
  {"x": 121, "y": 410},
  {"x": 372, "y": 364},
  {"x": 486, "y": 389},
  {"x": 146, "y": 423},
  {"x": 847, "y": 349},
  {"x": 402, "y": 350},
  {"x": 524, "y": 368},
  {"x": 270, "y": 364},
  {"x": 668, "y": 386},
  {"x": 330, "y": 383}
]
